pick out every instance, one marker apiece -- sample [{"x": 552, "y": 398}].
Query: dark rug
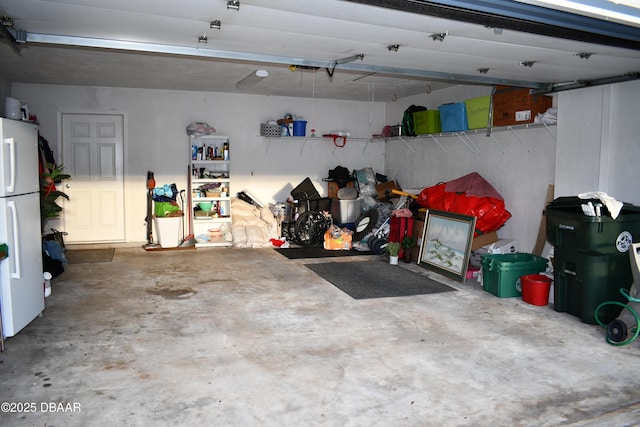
[
  {"x": 83, "y": 256},
  {"x": 317, "y": 252},
  {"x": 376, "y": 279}
]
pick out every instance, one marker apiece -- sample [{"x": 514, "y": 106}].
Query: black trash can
[{"x": 591, "y": 259}]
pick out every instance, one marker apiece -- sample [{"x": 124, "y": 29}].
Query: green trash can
[{"x": 591, "y": 260}]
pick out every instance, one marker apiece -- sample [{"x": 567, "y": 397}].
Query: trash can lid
[{"x": 574, "y": 204}]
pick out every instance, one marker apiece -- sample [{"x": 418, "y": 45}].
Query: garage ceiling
[{"x": 353, "y": 50}]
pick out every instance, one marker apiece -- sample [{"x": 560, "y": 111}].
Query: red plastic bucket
[{"x": 535, "y": 289}]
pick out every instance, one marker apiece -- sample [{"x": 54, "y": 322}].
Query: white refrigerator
[{"x": 21, "y": 280}]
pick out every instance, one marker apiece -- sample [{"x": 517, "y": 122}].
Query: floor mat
[
  {"x": 83, "y": 256},
  {"x": 317, "y": 252},
  {"x": 376, "y": 279}
]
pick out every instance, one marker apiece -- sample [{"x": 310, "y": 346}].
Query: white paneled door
[{"x": 92, "y": 153}]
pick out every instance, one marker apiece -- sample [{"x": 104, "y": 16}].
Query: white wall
[
  {"x": 624, "y": 130},
  {"x": 156, "y": 138},
  {"x": 598, "y": 148}
]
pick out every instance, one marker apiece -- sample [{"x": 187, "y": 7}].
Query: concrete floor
[{"x": 244, "y": 337}]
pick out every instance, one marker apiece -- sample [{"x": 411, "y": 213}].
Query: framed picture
[{"x": 446, "y": 243}]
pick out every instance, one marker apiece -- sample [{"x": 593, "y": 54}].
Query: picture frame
[{"x": 446, "y": 243}]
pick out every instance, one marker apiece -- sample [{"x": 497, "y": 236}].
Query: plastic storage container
[
  {"x": 501, "y": 272},
  {"x": 591, "y": 259},
  {"x": 478, "y": 112},
  {"x": 453, "y": 117},
  {"x": 426, "y": 122}
]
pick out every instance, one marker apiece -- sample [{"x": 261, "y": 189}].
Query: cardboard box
[
  {"x": 513, "y": 106},
  {"x": 332, "y": 189},
  {"x": 485, "y": 239},
  {"x": 384, "y": 190}
]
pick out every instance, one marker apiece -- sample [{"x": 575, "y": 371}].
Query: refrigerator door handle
[
  {"x": 12, "y": 163},
  {"x": 17, "y": 274}
]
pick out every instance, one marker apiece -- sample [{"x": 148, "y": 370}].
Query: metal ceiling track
[
  {"x": 560, "y": 87},
  {"x": 512, "y": 15},
  {"x": 120, "y": 45}
]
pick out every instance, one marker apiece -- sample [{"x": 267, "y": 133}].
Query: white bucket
[
  {"x": 168, "y": 230},
  {"x": 12, "y": 108}
]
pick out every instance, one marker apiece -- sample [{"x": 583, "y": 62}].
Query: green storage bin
[
  {"x": 478, "y": 112},
  {"x": 501, "y": 272},
  {"x": 591, "y": 259},
  {"x": 426, "y": 122}
]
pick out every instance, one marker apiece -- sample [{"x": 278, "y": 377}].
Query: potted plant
[
  {"x": 408, "y": 243},
  {"x": 49, "y": 194},
  {"x": 393, "y": 249}
]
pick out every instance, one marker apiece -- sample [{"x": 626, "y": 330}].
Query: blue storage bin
[{"x": 453, "y": 117}]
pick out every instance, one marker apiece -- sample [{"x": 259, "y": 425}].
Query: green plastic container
[
  {"x": 426, "y": 122},
  {"x": 478, "y": 112},
  {"x": 501, "y": 272},
  {"x": 591, "y": 258}
]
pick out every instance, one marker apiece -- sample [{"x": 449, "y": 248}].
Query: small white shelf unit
[{"x": 209, "y": 182}]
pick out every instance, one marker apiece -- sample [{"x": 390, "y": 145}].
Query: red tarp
[{"x": 468, "y": 195}]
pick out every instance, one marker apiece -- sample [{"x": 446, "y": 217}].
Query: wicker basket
[{"x": 271, "y": 131}]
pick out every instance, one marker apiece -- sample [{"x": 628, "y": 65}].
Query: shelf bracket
[
  {"x": 468, "y": 138},
  {"x": 519, "y": 139},
  {"x": 407, "y": 144},
  {"x": 549, "y": 130},
  {"x": 303, "y": 144},
  {"x": 497, "y": 143},
  {"x": 460, "y": 135},
  {"x": 438, "y": 142}
]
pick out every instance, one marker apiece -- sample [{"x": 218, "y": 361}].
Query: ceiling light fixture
[
  {"x": 584, "y": 55},
  {"x": 215, "y": 25},
  {"x": 528, "y": 64},
  {"x": 438, "y": 36},
  {"x": 393, "y": 47},
  {"x": 233, "y": 4},
  {"x": 252, "y": 79},
  {"x": 203, "y": 39}
]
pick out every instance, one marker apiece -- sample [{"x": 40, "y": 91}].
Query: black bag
[
  {"x": 408, "y": 126},
  {"x": 340, "y": 175}
]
